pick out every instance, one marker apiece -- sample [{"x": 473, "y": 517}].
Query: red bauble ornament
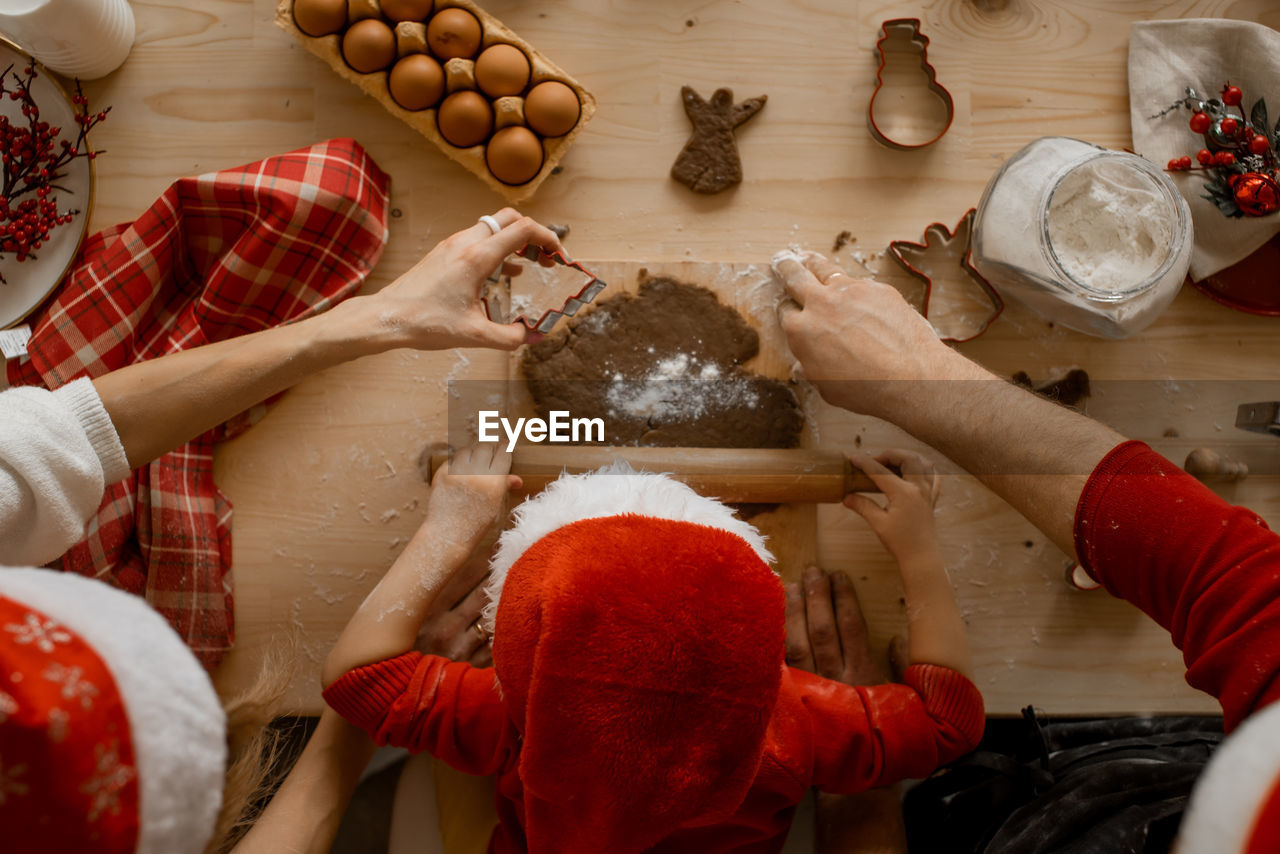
[
  {"x": 1229, "y": 126},
  {"x": 1200, "y": 122},
  {"x": 1232, "y": 96},
  {"x": 1204, "y": 156},
  {"x": 1256, "y": 194},
  {"x": 1259, "y": 145}
]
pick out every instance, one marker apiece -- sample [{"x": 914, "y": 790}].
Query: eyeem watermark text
[{"x": 560, "y": 428}]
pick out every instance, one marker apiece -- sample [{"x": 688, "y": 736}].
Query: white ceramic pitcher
[{"x": 78, "y": 38}]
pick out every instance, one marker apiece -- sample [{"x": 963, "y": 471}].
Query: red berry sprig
[
  {"x": 1241, "y": 157},
  {"x": 32, "y": 160}
]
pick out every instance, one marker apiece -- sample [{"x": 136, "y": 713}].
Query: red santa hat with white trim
[
  {"x": 1235, "y": 805},
  {"x": 638, "y": 638},
  {"x": 112, "y": 739}
]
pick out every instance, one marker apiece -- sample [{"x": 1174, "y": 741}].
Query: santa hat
[
  {"x": 112, "y": 739},
  {"x": 1235, "y": 805},
  {"x": 638, "y": 638}
]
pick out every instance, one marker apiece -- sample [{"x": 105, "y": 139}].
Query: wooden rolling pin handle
[{"x": 734, "y": 476}]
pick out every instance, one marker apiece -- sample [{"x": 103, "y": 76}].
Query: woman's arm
[
  {"x": 466, "y": 498},
  {"x": 304, "y": 815},
  {"x": 158, "y": 404}
]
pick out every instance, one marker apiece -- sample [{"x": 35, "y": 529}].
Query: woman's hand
[
  {"x": 436, "y": 304},
  {"x": 905, "y": 523},
  {"x": 826, "y": 634}
]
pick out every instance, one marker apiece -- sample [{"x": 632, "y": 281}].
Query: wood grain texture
[{"x": 326, "y": 488}]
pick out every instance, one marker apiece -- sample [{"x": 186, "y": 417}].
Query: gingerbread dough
[
  {"x": 709, "y": 161},
  {"x": 663, "y": 367}
]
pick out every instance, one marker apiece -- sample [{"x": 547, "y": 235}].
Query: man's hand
[
  {"x": 857, "y": 340},
  {"x": 436, "y": 304}
]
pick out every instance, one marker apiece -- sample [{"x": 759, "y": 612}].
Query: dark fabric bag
[{"x": 1112, "y": 786}]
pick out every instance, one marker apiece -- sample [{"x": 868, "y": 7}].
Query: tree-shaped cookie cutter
[
  {"x": 910, "y": 27},
  {"x": 911, "y": 257},
  {"x": 549, "y": 318}
]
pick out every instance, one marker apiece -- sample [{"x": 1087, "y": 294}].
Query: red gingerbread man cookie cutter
[{"x": 911, "y": 256}]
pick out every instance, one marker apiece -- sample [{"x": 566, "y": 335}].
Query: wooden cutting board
[{"x": 326, "y": 492}]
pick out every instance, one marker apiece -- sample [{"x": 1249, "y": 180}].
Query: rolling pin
[{"x": 733, "y": 475}]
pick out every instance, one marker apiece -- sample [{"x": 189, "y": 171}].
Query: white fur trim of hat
[
  {"x": 177, "y": 725},
  {"x": 614, "y": 490}
]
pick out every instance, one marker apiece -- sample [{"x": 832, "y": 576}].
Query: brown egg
[
  {"x": 552, "y": 108},
  {"x": 416, "y": 82},
  {"x": 320, "y": 17},
  {"x": 465, "y": 119},
  {"x": 453, "y": 32},
  {"x": 514, "y": 155},
  {"x": 502, "y": 69},
  {"x": 407, "y": 10},
  {"x": 369, "y": 45}
]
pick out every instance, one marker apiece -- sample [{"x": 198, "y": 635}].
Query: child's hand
[
  {"x": 905, "y": 524},
  {"x": 471, "y": 487}
]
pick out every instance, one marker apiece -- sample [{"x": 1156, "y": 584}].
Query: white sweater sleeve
[{"x": 58, "y": 452}]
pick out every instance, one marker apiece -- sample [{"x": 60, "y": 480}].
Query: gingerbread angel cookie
[{"x": 709, "y": 161}]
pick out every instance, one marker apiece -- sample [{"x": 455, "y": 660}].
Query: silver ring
[{"x": 493, "y": 224}]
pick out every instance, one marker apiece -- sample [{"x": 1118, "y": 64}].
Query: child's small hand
[
  {"x": 471, "y": 486},
  {"x": 905, "y": 523}
]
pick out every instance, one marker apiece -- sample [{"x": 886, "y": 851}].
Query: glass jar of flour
[{"x": 1096, "y": 240}]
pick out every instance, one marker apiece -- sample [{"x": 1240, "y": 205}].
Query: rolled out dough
[{"x": 663, "y": 367}]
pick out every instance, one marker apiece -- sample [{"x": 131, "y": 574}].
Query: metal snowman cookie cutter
[
  {"x": 549, "y": 318},
  {"x": 911, "y": 28}
]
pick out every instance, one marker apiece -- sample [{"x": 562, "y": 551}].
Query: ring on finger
[
  {"x": 492, "y": 222},
  {"x": 484, "y": 636}
]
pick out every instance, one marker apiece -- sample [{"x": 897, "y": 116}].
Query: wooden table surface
[{"x": 326, "y": 489}]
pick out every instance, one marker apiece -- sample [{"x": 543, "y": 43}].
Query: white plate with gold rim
[{"x": 27, "y": 284}]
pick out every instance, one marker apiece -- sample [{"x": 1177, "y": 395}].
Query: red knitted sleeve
[
  {"x": 426, "y": 703},
  {"x": 872, "y": 736},
  {"x": 1207, "y": 571}
]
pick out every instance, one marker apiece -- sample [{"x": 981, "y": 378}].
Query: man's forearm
[
  {"x": 158, "y": 404},
  {"x": 1035, "y": 454}
]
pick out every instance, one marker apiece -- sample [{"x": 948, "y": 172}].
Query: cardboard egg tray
[{"x": 459, "y": 74}]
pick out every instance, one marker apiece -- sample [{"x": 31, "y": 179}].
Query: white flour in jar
[{"x": 1109, "y": 226}]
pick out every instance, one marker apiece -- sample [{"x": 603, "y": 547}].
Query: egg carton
[{"x": 459, "y": 74}]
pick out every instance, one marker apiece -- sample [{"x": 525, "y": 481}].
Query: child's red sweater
[
  {"x": 822, "y": 733},
  {"x": 1205, "y": 570}
]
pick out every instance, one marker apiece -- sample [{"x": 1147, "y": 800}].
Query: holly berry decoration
[
  {"x": 1241, "y": 154},
  {"x": 32, "y": 160}
]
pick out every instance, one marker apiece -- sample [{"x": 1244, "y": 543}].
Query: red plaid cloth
[{"x": 218, "y": 255}]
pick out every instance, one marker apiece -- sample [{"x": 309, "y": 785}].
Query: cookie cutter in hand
[
  {"x": 549, "y": 318},
  {"x": 910, "y": 27},
  {"x": 912, "y": 257}
]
